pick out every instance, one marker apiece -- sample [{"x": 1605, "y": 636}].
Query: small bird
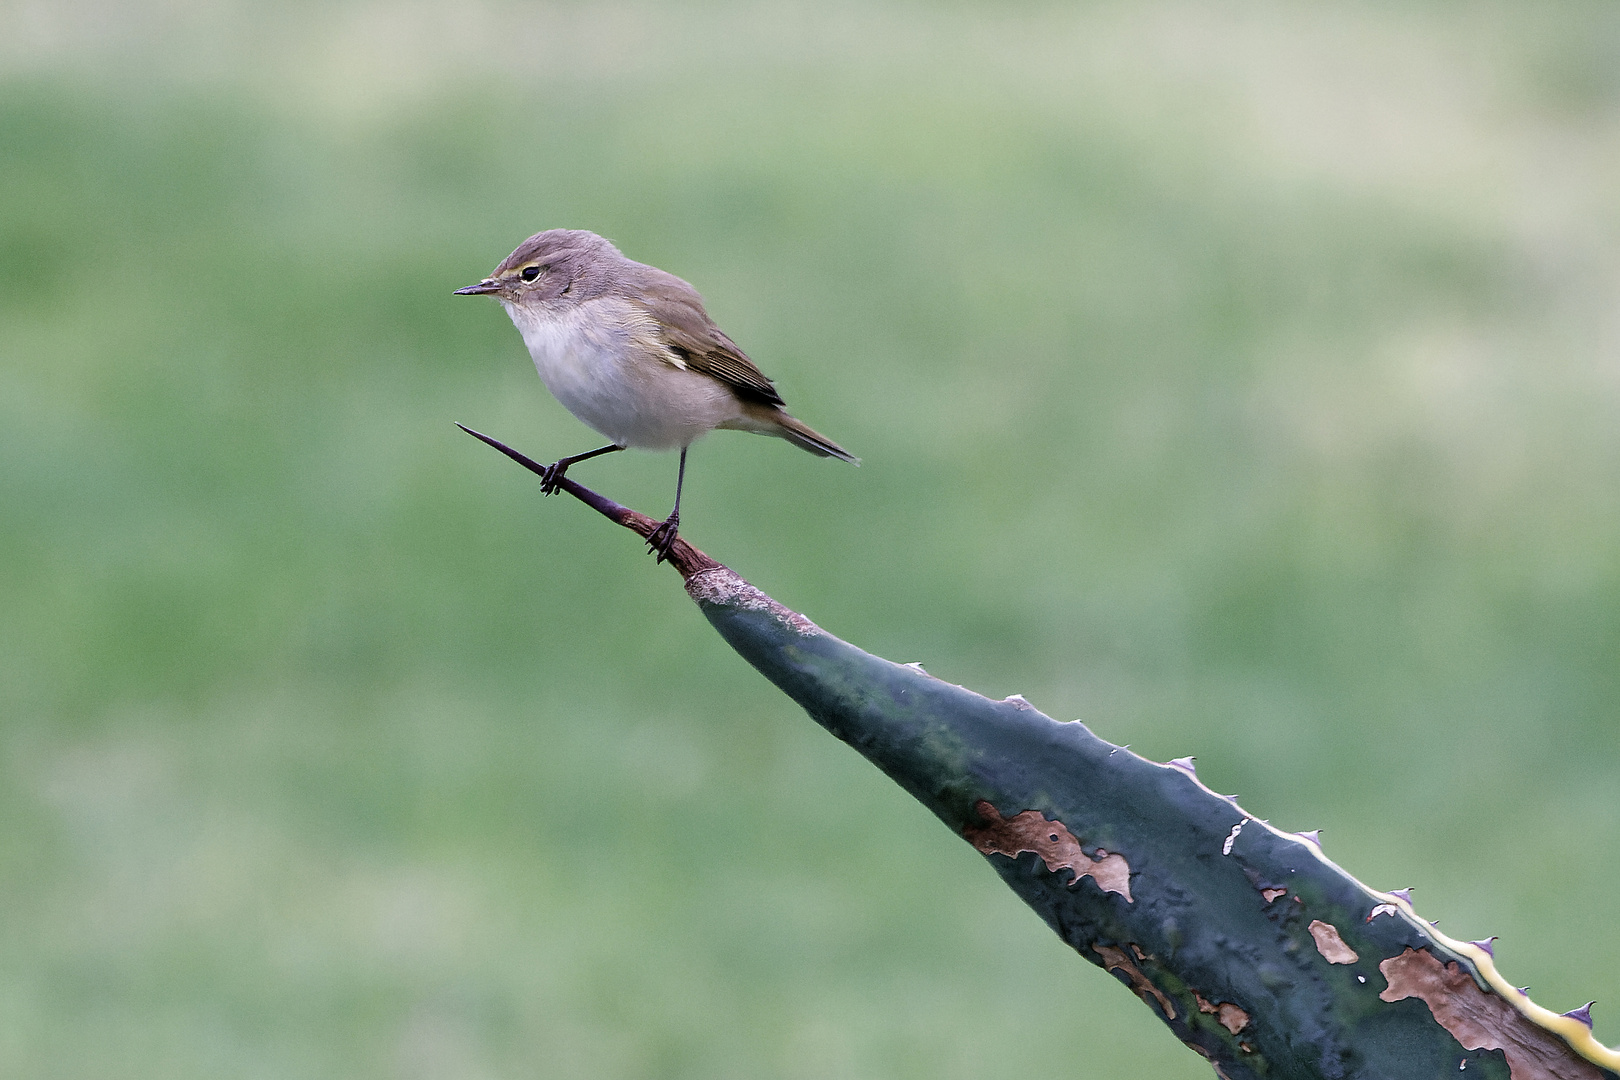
[{"x": 629, "y": 350}]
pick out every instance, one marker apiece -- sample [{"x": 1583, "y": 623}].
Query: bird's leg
[
  {"x": 663, "y": 538},
  {"x": 557, "y": 469}
]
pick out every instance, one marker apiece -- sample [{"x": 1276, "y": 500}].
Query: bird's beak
[{"x": 488, "y": 285}]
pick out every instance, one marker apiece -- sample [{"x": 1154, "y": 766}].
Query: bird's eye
[{"x": 530, "y": 273}]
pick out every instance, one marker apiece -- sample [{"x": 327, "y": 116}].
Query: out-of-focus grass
[{"x": 1243, "y": 382}]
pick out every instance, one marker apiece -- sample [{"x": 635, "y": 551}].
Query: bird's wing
[{"x": 699, "y": 344}]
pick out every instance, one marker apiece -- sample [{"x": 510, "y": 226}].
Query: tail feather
[{"x": 804, "y": 437}]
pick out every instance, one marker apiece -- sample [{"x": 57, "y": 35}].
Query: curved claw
[
  {"x": 551, "y": 479},
  {"x": 661, "y": 539}
]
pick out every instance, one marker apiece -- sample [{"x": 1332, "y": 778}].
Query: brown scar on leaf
[
  {"x": 1480, "y": 1020},
  {"x": 1228, "y": 1015},
  {"x": 1053, "y": 842},
  {"x": 1330, "y": 944},
  {"x": 1270, "y": 890},
  {"x": 1117, "y": 960}
]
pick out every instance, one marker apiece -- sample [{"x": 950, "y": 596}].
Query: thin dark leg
[
  {"x": 663, "y": 537},
  {"x": 557, "y": 469}
]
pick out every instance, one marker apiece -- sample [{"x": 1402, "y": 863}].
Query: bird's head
[{"x": 549, "y": 269}]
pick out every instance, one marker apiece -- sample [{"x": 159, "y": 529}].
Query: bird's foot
[
  {"x": 551, "y": 479},
  {"x": 661, "y": 539}
]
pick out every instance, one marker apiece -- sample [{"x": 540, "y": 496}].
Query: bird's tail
[{"x": 800, "y": 434}]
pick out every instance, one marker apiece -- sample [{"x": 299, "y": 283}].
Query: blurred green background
[{"x": 1244, "y": 380}]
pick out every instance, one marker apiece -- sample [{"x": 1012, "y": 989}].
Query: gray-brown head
[{"x": 560, "y": 264}]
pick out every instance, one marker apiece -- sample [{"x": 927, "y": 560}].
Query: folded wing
[{"x": 696, "y": 342}]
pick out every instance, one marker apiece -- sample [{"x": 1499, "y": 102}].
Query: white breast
[{"x": 598, "y": 359}]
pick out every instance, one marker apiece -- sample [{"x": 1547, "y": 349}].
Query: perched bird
[{"x": 629, "y": 350}]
